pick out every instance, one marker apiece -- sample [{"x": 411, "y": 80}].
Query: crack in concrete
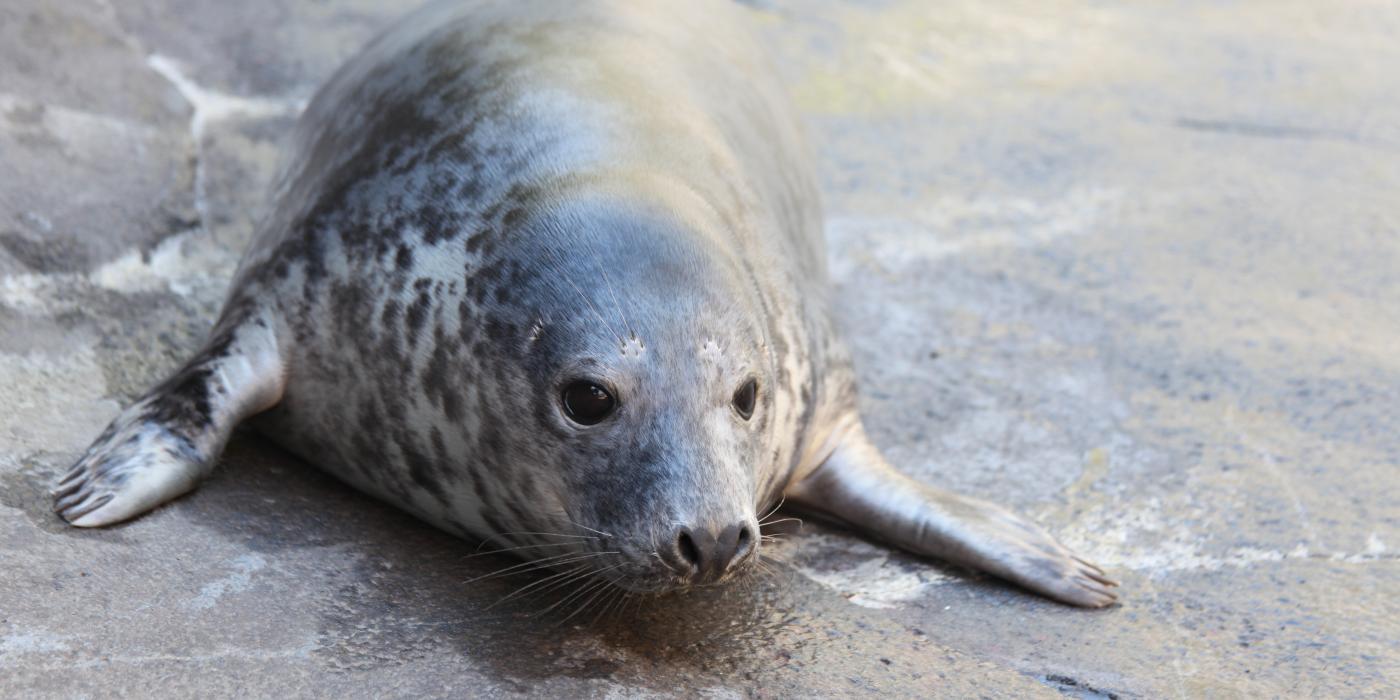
[
  {"x": 1069, "y": 685},
  {"x": 210, "y": 106},
  {"x": 1260, "y": 130},
  {"x": 1280, "y": 476},
  {"x": 122, "y": 33}
]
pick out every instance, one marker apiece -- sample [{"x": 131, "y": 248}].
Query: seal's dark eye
[
  {"x": 744, "y": 398},
  {"x": 587, "y": 403}
]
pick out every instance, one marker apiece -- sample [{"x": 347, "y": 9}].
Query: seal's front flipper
[
  {"x": 858, "y": 487},
  {"x": 162, "y": 445}
]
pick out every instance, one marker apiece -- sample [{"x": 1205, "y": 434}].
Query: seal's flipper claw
[
  {"x": 855, "y": 485},
  {"x": 142, "y": 465},
  {"x": 1091, "y": 566},
  {"x": 161, "y": 446}
]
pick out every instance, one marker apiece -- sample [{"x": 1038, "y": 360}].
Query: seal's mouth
[
  {"x": 597, "y": 572},
  {"x": 673, "y": 558}
]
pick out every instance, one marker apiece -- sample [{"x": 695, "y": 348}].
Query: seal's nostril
[
  {"x": 705, "y": 555},
  {"x": 689, "y": 552},
  {"x": 743, "y": 545}
]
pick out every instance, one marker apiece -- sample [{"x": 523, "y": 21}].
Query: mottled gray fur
[{"x": 495, "y": 199}]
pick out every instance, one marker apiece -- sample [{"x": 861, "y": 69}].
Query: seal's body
[{"x": 553, "y": 274}]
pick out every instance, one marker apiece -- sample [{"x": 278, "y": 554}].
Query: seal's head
[{"x": 636, "y": 391}]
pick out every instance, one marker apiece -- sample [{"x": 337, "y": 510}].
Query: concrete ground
[{"x": 1133, "y": 269}]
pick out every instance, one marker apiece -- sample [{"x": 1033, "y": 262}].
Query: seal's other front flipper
[
  {"x": 162, "y": 445},
  {"x": 858, "y": 487}
]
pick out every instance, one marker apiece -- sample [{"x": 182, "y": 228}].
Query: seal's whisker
[
  {"x": 587, "y": 603},
  {"x": 749, "y": 584},
  {"x": 508, "y": 535},
  {"x": 610, "y": 595},
  {"x": 622, "y": 599},
  {"x": 784, "y": 520},
  {"x": 542, "y": 563},
  {"x": 619, "y": 594},
  {"x": 565, "y": 573},
  {"x": 541, "y": 566},
  {"x": 620, "y": 312},
  {"x": 769, "y": 571},
  {"x": 542, "y": 534},
  {"x": 773, "y": 510},
  {"x": 584, "y": 589},
  {"x": 598, "y": 590},
  {"x": 539, "y": 560},
  {"x": 480, "y": 553},
  {"x": 560, "y": 579},
  {"x": 766, "y": 562},
  {"x": 581, "y": 572},
  {"x": 759, "y": 567},
  {"x": 595, "y": 310},
  {"x": 604, "y": 534},
  {"x": 586, "y": 573},
  {"x": 575, "y": 575}
]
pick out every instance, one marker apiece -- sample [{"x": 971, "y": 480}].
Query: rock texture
[{"x": 1132, "y": 269}]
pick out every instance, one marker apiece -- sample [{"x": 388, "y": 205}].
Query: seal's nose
[{"x": 706, "y": 555}]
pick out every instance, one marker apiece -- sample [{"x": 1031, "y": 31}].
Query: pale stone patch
[
  {"x": 31, "y": 642},
  {"x": 954, "y": 225},
  {"x": 1137, "y": 537},
  {"x": 876, "y": 581},
  {"x": 184, "y": 264},
  {"x": 240, "y": 580},
  {"x": 52, "y": 402}
]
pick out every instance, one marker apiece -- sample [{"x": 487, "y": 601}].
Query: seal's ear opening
[{"x": 745, "y": 397}]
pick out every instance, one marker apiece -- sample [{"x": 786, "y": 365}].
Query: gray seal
[{"x": 552, "y": 274}]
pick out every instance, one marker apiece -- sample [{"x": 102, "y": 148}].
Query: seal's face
[
  {"x": 648, "y": 410},
  {"x": 658, "y": 447}
]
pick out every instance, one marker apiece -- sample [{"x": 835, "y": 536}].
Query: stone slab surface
[{"x": 1132, "y": 269}]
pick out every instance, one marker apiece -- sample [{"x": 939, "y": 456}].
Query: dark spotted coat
[{"x": 498, "y": 197}]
